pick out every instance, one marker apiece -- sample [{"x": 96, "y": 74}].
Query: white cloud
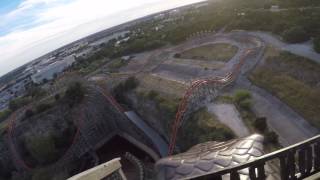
[{"x": 63, "y": 23}]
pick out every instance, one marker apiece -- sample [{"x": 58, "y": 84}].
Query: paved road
[
  {"x": 158, "y": 141},
  {"x": 229, "y": 115}
]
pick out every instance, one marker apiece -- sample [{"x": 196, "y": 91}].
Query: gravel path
[
  {"x": 289, "y": 125},
  {"x": 303, "y": 49},
  {"x": 229, "y": 115}
]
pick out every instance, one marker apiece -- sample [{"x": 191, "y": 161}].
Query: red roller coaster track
[{"x": 182, "y": 109}]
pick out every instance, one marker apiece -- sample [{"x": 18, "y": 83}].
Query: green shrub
[
  {"x": 131, "y": 83},
  {"x": 241, "y": 95},
  {"x": 29, "y": 113},
  {"x": 42, "y": 148},
  {"x": 75, "y": 93},
  {"x": 120, "y": 90},
  {"x": 245, "y": 104},
  {"x": 271, "y": 137},
  {"x": 152, "y": 94},
  {"x": 5, "y": 114},
  {"x": 36, "y": 92},
  {"x": 261, "y": 124},
  {"x": 43, "y": 107},
  {"x": 177, "y": 55},
  {"x": 18, "y": 103},
  {"x": 57, "y": 97},
  {"x": 202, "y": 127},
  {"x": 316, "y": 45},
  {"x": 295, "y": 35}
]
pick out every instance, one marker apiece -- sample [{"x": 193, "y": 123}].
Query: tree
[
  {"x": 75, "y": 93},
  {"x": 152, "y": 94},
  {"x": 4, "y": 114},
  {"x": 57, "y": 97},
  {"x": 18, "y": 103},
  {"x": 130, "y": 83},
  {"x": 316, "y": 44},
  {"x": 29, "y": 113},
  {"x": 177, "y": 55},
  {"x": 43, "y": 107},
  {"x": 36, "y": 92},
  {"x": 261, "y": 124},
  {"x": 271, "y": 137},
  {"x": 42, "y": 148},
  {"x": 295, "y": 35}
]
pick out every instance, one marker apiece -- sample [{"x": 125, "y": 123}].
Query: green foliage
[
  {"x": 42, "y": 107},
  {"x": 5, "y": 114},
  {"x": 271, "y": 137},
  {"x": 18, "y": 103},
  {"x": 121, "y": 89},
  {"x": 36, "y": 92},
  {"x": 57, "y": 97},
  {"x": 152, "y": 94},
  {"x": 74, "y": 94},
  {"x": 261, "y": 124},
  {"x": 245, "y": 104},
  {"x": 3, "y": 128},
  {"x": 294, "y": 80},
  {"x": 117, "y": 64},
  {"x": 241, "y": 95},
  {"x": 42, "y": 148},
  {"x": 295, "y": 35},
  {"x": 29, "y": 113},
  {"x": 177, "y": 55},
  {"x": 316, "y": 45},
  {"x": 202, "y": 127}
]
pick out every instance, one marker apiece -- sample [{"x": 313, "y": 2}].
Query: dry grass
[
  {"x": 294, "y": 80},
  {"x": 218, "y": 52},
  {"x": 203, "y": 64},
  {"x": 162, "y": 85}
]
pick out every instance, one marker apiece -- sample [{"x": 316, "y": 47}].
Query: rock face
[{"x": 210, "y": 157}]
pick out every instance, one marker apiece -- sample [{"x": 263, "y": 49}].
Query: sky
[{"x": 32, "y": 28}]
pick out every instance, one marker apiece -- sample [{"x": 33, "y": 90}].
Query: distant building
[{"x": 48, "y": 73}]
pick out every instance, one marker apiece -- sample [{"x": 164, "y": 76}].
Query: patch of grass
[
  {"x": 3, "y": 127},
  {"x": 242, "y": 99},
  {"x": 202, "y": 127},
  {"x": 160, "y": 107},
  {"x": 116, "y": 64},
  {"x": 42, "y": 148},
  {"x": 161, "y": 85},
  {"x": 294, "y": 80},
  {"x": 218, "y": 52},
  {"x": 5, "y": 114}
]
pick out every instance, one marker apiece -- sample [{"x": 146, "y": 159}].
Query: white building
[{"x": 48, "y": 73}]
